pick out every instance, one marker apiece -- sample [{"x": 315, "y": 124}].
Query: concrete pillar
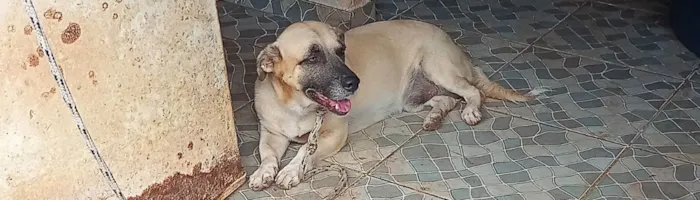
[{"x": 137, "y": 105}]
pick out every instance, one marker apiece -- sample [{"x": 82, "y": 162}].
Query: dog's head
[{"x": 308, "y": 58}]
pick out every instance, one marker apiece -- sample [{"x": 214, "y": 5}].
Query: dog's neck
[{"x": 291, "y": 99}]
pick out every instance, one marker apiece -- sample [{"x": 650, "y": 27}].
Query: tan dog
[{"x": 403, "y": 65}]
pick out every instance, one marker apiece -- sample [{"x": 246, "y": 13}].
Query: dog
[{"x": 378, "y": 69}]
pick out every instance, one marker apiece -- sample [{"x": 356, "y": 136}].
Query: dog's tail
[{"x": 493, "y": 90}]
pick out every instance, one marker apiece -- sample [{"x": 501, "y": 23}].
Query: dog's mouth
[{"x": 340, "y": 107}]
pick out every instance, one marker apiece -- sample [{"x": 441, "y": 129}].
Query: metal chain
[{"x": 309, "y": 171}]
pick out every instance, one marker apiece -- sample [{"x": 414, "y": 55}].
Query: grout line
[
  {"x": 403, "y": 11},
  {"x": 57, "y": 73},
  {"x": 625, "y": 7},
  {"x": 604, "y": 173},
  {"x": 665, "y": 156},
  {"x": 371, "y": 169},
  {"x": 407, "y": 187},
  {"x": 509, "y": 62},
  {"x": 661, "y": 108},
  {"x": 242, "y": 106}
]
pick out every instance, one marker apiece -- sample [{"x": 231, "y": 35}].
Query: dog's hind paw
[
  {"x": 471, "y": 116},
  {"x": 289, "y": 176},
  {"x": 432, "y": 121},
  {"x": 262, "y": 178}
]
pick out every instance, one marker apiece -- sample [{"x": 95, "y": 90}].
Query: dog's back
[
  {"x": 381, "y": 58},
  {"x": 384, "y": 55},
  {"x": 391, "y": 58}
]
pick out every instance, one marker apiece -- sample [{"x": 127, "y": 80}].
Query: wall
[{"x": 146, "y": 110}]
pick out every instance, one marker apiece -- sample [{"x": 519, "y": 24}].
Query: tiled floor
[{"x": 620, "y": 123}]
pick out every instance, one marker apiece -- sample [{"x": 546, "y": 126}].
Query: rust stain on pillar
[
  {"x": 71, "y": 33},
  {"x": 198, "y": 185}
]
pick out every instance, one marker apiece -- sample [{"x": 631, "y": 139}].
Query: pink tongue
[{"x": 343, "y": 105}]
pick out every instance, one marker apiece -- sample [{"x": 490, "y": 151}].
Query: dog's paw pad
[
  {"x": 262, "y": 178},
  {"x": 432, "y": 122},
  {"x": 288, "y": 177},
  {"x": 471, "y": 116}
]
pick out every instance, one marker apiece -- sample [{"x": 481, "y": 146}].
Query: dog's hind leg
[
  {"x": 470, "y": 114},
  {"x": 422, "y": 92},
  {"x": 441, "y": 105},
  {"x": 448, "y": 72}
]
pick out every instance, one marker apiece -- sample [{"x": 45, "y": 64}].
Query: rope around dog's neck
[{"x": 311, "y": 149}]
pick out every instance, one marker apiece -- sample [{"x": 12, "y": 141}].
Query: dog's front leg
[
  {"x": 331, "y": 139},
  {"x": 272, "y": 147}
]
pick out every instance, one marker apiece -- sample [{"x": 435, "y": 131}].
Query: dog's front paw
[
  {"x": 263, "y": 177},
  {"x": 471, "y": 116},
  {"x": 289, "y": 177}
]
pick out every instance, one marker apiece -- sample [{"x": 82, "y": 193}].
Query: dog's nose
[{"x": 350, "y": 83}]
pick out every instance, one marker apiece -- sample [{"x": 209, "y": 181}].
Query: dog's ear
[
  {"x": 267, "y": 59},
  {"x": 340, "y": 32}
]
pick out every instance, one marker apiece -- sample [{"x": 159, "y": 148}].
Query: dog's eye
[
  {"x": 308, "y": 60},
  {"x": 312, "y": 59}
]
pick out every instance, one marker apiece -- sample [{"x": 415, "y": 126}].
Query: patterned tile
[
  {"x": 488, "y": 53},
  {"x": 695, "y": 78},
  {"x": 368, "y": 147},
  {"x": 675, "y": 132},
  {"x": 601, "y": 99},
  {"x": 635, "y": 38},
  {"x": 517, "y": 20},
  {"x": 246, "y": 118},
  {"x": 390, "y": 8},
  {"x": 659, "y": 6},
  {"x": 643, "y": 175},
  {"x": 300, "y": 10},
  {"x": 250, "y": 27},
  {"x": 502, "y": 157},
  {"x": 374, "y": 188},
  {"x": 296, "y": 10},
  {"x": 240, "y": 65},
  {"x": 346, "y": 20}
]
